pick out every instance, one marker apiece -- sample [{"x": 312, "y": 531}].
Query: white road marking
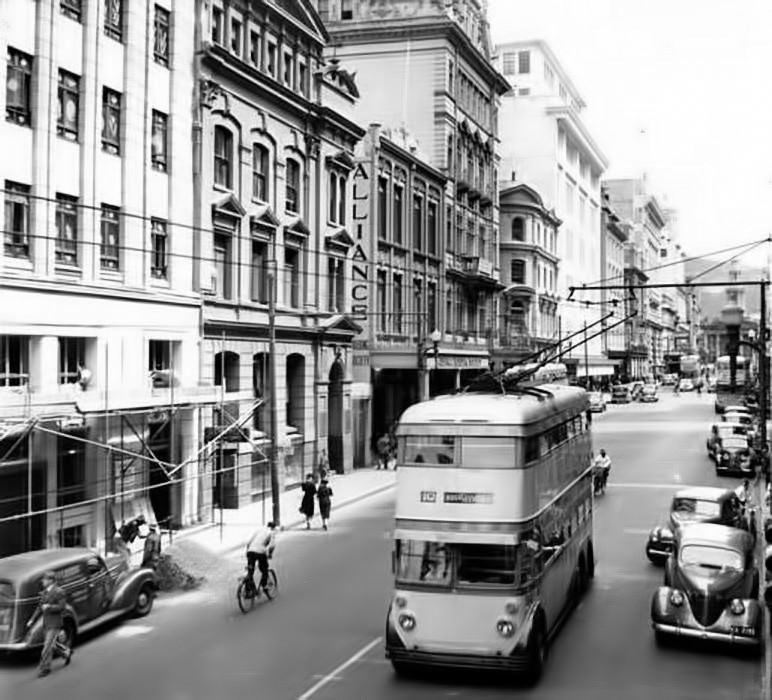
[
  {"x": 636, "y": 531},
  {"x": 333, "y": 675},
  {"x": 640, "y": 485},
  {"x": 133, "y": 630}
]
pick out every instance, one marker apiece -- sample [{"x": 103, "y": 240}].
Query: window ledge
[
  {"x": 112, "y": 275},
  {"x": 222, "y": 188},
  {"x": 15, "y": 263},
  {"x": 160, "y": 283},
  {"x": 68, "y": 270}
]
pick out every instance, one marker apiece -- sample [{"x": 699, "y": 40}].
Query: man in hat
[
  {"x": 52, "y": 603},
  {"x": 152, "y": 550}
]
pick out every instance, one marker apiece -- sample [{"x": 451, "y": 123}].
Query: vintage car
[
  {"x": 597, "y": 402},
  {"x": 620, "y": 394},
  {"x": 648, "y": 394},
  {"x": 97, "y": 590},
  {"x": 685, "y": 384},
  {"x": 735, "y": 456},
  {"x": 698, "y": 504},
  {"x": 719, "y": 431},
  {"x": 711, "y": 588},
  {"x": 740, "y": 417}
]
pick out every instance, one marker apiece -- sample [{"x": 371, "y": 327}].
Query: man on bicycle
[
  {"x": 602, "y": 465},
  {"x": 259, "y": 549}
]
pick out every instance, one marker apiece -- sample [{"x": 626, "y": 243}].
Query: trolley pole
[{"x": 276, "y": 507}]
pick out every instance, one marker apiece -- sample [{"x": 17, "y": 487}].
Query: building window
[
  {"x": 161, "y": 36},
  {"x": 337, "y": 195},
  {"x": 431, "y": 306},
  {"x": 217, "y": 26},
  {"x": 292, "y": 277},
  {"x": 399, "y": 212},
  {"x": 68, "y": 105},
  {"x": 347, "y": 9},
  {"x": 335, "y": 285},
  {"x": 303, "y": 79},
  {"x": 431, "y": 228},
  {"x": 72, "y": 356},
  {"x": 110, "y": 246},
  {"x": 524, "y": 62},
  {"x": 418, "y": 222},
  {"x": 259, "y": 280},
  {"x": 66, "y": 245},
  {"x": 222, "y": 263},
  {"x": 159, "y": 264},
  {"x": 292, "y": 187},
  {"x": 380, "y": 296},
  {"x": 159, "y": 356},
  {"x": 254, "y": 49},
  {"x": 509, "y": 63},
  {"x": 71, "y": 9},
  {"x": 236, "y": 36},
  {"x": 14, "y": 364},
  {"x": 271, "y": 59},
  {"x": 17, "y": 87},
  {"x": 288, "y": 66},
  {"x": 114, "y": 19},
  {"x": 71, "y": 472},
  {"x": 260, "y": 172},
  {"x": 398, "y": 304},
  {"x": 16, "y": 230},
  {"x": 111, "y": 121},
  {"x": 517, "y": 271},
  {"x": 383, "y": 189},
  {"x": 223, "y": 156},
  {"x": 450, "y": 77},
  {"x": 158, "y": 142},
  {"x": 518, "y": 229}
]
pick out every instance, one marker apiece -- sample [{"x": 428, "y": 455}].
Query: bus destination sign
[{"x": 464, "y": 497}]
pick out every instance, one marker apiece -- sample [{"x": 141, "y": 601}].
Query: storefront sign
[
  {"x": 460, "y": 362},
  {"x": 360, "y": 269}
]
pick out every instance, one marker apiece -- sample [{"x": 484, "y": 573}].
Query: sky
[{"x": 680, "y": 90}]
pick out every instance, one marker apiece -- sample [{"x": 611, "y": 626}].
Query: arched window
[
  {"x": 223, "y": 157},
  {"x": 517, "y": 271},
  {"x": 227, "y": 363},
  {"x": 518, "y": 229}
]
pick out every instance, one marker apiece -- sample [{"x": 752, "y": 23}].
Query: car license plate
[{"x": 743, "y": 630}]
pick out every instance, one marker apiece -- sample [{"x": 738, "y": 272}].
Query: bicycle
[{"x": 248, "y": 592}]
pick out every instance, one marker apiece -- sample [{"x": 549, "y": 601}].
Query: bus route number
[{"x": 428, "y": 496}]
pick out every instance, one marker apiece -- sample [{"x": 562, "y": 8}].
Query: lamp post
[{"x": 435, "y": 337}]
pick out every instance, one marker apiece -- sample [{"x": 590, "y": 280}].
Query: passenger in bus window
[{"x": 435, "y": 562}]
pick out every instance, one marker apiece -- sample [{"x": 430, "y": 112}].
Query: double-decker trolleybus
[{"x": 494, "y": 526}]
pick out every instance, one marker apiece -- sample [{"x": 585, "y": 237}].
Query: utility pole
[
  {"x": 586, "y": 365},
  {"x": 763, "y": 376},
  {"x": 272, "y": 280}
]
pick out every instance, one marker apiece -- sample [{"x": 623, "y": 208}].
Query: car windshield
[
  {"x": 694, "y": 506},
  {"x": 731, "y": 429},
  {"x": 708, "y": 557},
  {"x": 743, "y": 418}
]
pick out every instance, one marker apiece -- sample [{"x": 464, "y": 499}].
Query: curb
[{"x": 292, "y": 524}]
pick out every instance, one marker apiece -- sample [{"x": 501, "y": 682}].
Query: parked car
[
  {"x": 686, "y": 384},
  {"x": 97, "y": 590},
  {"x": 698, "y": 504},
  {"x": 620, "y": 394},
  {"x": 648, "y": 394},
  {"x": 742, "y": 417},
  {"x": 719, "y": 431},
  {"x": 669, "y": 379},
  {"x": 597, "y": 402},
  {"x": 734, "y": 456},
  {"x": 711, "y": 588}
]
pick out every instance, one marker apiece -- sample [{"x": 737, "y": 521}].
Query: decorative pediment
[
  {"x": 228, "y": 205},
  {"x": 296, "y": 232},
  {"x": 340, "y": 322},
  {"x": 338, "y": 238},
  {"x": 264, "y": 216},
  {"x": 341, "y": 160}
]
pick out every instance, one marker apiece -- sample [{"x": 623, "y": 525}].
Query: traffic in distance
[{"x": 493, "y": 534}]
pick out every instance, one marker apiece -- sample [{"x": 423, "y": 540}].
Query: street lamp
[{"x": 435, "y": 336}]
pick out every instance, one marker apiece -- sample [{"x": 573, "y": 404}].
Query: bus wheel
[
  {"x": 537, "y": 651},
  {"x": 402, "y": 669},
  {"x": 590, "y": 561}
]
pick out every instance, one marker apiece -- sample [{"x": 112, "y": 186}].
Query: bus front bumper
[{"x": 516, "y": 662}]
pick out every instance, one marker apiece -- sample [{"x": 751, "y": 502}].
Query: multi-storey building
[
  {"x": 428, "y": 70},
  {"x": 545, "y": 143},
  {"x": 614, "y": 234},
  {"x": 274, "y": 156},
  {"x": 99, "y": 354},
  {"x": 528, "y": 321},
  {"x": 631, "y": 199}
]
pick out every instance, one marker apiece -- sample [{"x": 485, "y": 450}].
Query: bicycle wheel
[
  {"x": 246, "y": 602},
  {"x": 272, "y": 585}
]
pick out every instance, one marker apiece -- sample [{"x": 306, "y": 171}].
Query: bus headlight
[
  {"x": 505, "y": 628},
  {"x": 677, "y": 598},
  {"x": 737, "y": 607},
  {"x": 406, "y": 621}
]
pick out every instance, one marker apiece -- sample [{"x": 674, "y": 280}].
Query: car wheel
[
  {"x": 144, "y": 602},
  {"x": 67, "y": 634}
]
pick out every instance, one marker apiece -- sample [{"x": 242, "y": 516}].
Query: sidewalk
[{"x": 239, "y": 524}]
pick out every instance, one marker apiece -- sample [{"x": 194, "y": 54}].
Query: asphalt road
[{"x": 321, "y": 639}]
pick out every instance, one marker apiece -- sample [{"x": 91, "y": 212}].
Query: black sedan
[
  {"x": 734, "y": 456},
  {"x": 711, "y": 588},
  {"x": 703, "y": 504}
]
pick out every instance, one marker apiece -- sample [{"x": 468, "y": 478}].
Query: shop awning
[{"x": 596, "y": 371}]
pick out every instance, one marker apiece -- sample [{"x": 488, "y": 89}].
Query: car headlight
[
  {"x": 406, "y": 621},
  {"x": 505, "y": 628},
  {"x": 655, "y": 534},
  {"x": 676, "y": 598},
  {"x": 737, "y": 607}
]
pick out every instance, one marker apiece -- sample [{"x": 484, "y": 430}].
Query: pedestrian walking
[
  {"x": 323, "y": 495},
  {"x": 307, "y": 504},
  {"x": 324, "y": 465},
  {"x": 383, "y": 446},
  {"x": 152, "y": 550},
  {"x": 51, "y": 605}
]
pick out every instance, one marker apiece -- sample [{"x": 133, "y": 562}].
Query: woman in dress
[
  {"x": 307, "y": 504},
  {"x": 324, "y": 494}
]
